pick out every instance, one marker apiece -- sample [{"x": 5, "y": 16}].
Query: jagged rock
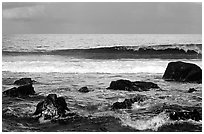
[
  {"x": 132, "y": 86},
  {"x": 84, "y": 90},
  {"x": 21, "y": 91},
  {"x": 61, "y": 106},
  {"x": 183, "y": 72},
  {"x": 191, "y": 90},
  {"x": 127, "y": 103},
  {"x": 51, "y": 107},
  {"x": 24, "y": 81},
  {"x": 194, "y": 115}
]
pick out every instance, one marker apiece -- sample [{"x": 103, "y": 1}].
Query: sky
[{"x": 102, "y": 18}]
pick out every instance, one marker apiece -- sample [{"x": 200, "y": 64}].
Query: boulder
[
  {"x": 84, "y": 90},
  {"x": 183, "y": 72},
  {"x": 24, "y": 81},
  {"x": 191, "y": 90},
  {"x": 185, "y": 115},
  {"x": 127, "y": 103},
  {"x": 21, "y": 91},
  {"x": 132, "y": 86},
  {"x": 51, "y": 107},
  {"x": 61, "y": 106}
]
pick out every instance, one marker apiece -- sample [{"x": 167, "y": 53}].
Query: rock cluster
[
  {"x": 51, "y": 107},
  {"x": 132, "y": 86},
  {"x": 24, "y": 89},
  {"x": 21, "y": 91},
  {"x": 185, "y": 115},
  {"x": 127, "y": 103}
]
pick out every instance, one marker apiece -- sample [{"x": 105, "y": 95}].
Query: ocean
[{"x": 63, "y": 63}]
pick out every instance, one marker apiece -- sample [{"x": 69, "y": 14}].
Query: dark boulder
[
  {"x": 191, "y": 90},
  {"x": 132, "y": 86},
  {"x": 183, "y": 72},
  {"x": 127, "y": 103},
  {"x": 24, "y": 81},
  {"x": 61, "y": 106},
  {"x": 21, "y": 91},
  {"x": 185, "y": 115},
  {"x": 84, "y": 90},
  {"x": 121, "y": 85},
  {"x": 51, "y": 107},
  {"x": 145, "y": 85}
]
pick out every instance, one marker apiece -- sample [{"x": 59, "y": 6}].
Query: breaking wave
[{"x": 174, "y": 51}]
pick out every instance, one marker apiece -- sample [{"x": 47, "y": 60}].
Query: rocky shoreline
[{"x": 54, "y": 108}]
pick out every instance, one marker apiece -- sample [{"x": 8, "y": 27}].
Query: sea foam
[{"x": 88, "y": 66}]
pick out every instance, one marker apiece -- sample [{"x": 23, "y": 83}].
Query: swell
[{"x": 185, "y": 51}]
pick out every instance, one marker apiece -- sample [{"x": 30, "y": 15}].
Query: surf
[{"x": 174, "y": 51}]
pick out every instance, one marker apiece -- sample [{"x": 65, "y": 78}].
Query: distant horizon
[
  {"x": 102, "y": 33},
  {"x": 102, "y": 18}
]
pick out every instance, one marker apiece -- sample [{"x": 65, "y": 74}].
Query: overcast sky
[{"x": 102, "y": 18}]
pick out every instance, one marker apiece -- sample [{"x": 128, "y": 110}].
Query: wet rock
[
  {"x": 61, "y": 106},
  {"x": 51, "y": 107},
  {"x": 24, "y": 81},
  {"x": 132, "y": 86},
  {"x": 121, "y": 85},
  {"x": 183, "y": 72},
  {"x": 145, "y": 85},
  {"x": 127, "y": 103},
  {"x": 84, "y": 90},
  {"x": 21, "y": 91},
  {"x": 191, "y": 90},
  {"x": 180, "y": 115}
]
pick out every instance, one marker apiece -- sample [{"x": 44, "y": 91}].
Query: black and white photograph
[{"x": 101, "y": 67}]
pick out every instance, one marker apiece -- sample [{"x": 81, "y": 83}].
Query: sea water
[{"x": 61, "y": 64}]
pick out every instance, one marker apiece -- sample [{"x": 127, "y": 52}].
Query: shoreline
[{"x": 89, "y": 103}]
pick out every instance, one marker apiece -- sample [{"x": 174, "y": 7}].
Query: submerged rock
[
  {"x": 191, "y": 90},
  {"x": 132, "y": 86},
  {"x": 194, "y": 115},
  {"x": 24, "y": 81},
  {"x": 84, "y": 90},
  {"x": 127, "y": 103},
  {"x": 21, "y": 91},
  {"x": 183, "y": 72},
  {"x": 51, "y": 107}
]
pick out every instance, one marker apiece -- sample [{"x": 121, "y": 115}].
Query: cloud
[
  {"x": 102, "y": 17},
  {"x": 18, "y": 13}
]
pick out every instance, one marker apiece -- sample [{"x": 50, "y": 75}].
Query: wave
[
  {"x": 150, "y": 124},
  {"x": 160, "y": 121},
  {"x": 174, "y": 51}
]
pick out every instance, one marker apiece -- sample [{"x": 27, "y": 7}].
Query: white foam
[
  {"x": 81, "y": 67},
  {"x": 86, "y": 66},
  {"x": 151, "y": 124},
  {"x": 136, "y": 106}
]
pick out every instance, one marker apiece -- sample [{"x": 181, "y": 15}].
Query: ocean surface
[{"x": 63, "y": 63}]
